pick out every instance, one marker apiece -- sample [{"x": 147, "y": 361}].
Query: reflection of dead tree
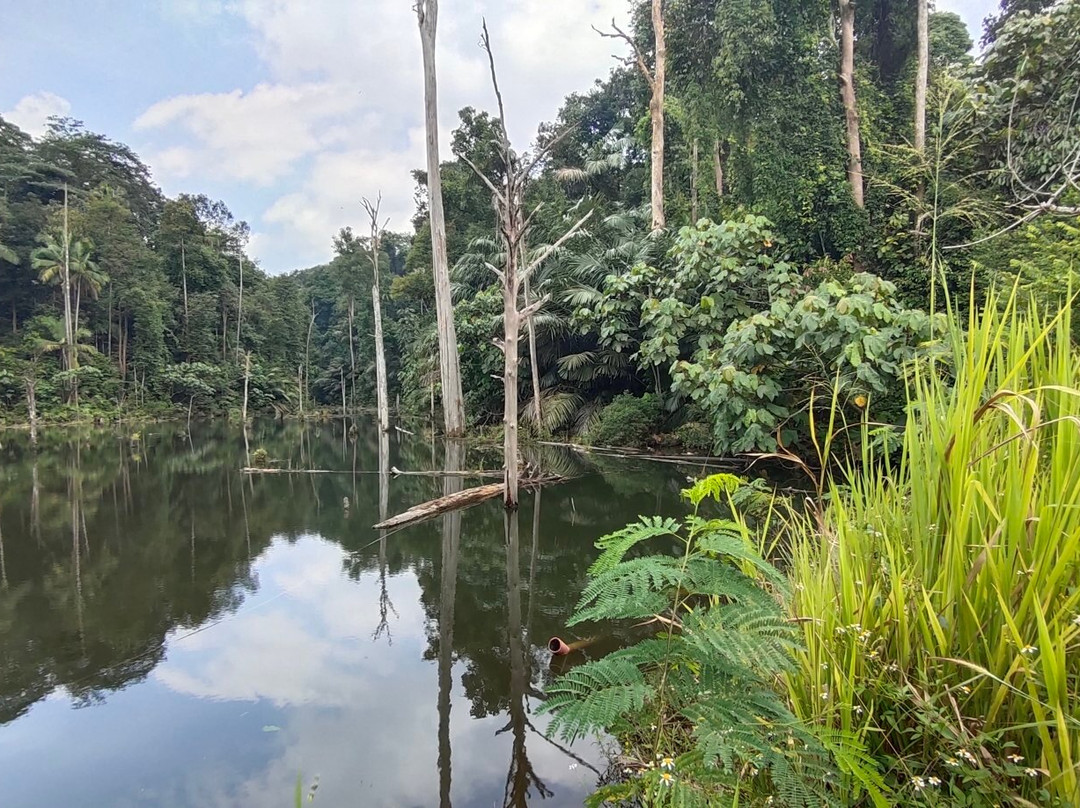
[
  {"x": 521, "y": 777},
  {"x": 451, "y": 539},
  {"x": 385, "y": 605}
]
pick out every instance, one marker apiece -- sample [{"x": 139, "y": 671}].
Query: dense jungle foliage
[{"x": 769, "y": 286}]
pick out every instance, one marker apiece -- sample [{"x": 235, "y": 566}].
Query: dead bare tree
[
  {"x": 514, "y": 224},
  {"x": 427, "y": 14},
  {"x": 375, "y": 245},
  {"x": 847, "y": 95},
  {"x": 656, "y": 78}
]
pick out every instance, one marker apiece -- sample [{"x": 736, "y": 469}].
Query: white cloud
[
  {"x": 32, "y": 112},
  {"x": 255, "y": 137},
  {"x": 341, "y": 114}
]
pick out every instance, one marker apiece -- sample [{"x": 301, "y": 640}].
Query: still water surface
[{"x": 173, "y": 633}]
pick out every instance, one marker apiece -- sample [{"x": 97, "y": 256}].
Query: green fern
[{"x": 706, "y": 683}]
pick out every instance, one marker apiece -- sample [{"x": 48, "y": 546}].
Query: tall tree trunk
[
  {"x": 427, "y": 12},
  {"x": 71, "y": 360},
  {"x": 382, "y": 393},
  {"x": 656, "y": 109},
  {"x": 240, "y": 309},
  {"x": 381, "y": 390},
  {"x": 718, "y": 168},
  {"x": 352, "y": 342},
  {"x": 247, "y": 380},
  {"x": 922, "y": 76},
  {"x": 511, "y": 339},
  {"x": 694, "y": 182},
  {"x": 224, "y": 331},
  {"x": 307, "y": 357},
  {"x": 847, "y": 95},
  {"x": 534, "y": 365},
  {"x": 922, "y": 80},
  {"x": 183, "y": 278}
]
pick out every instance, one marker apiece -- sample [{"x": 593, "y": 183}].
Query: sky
[{"x": 291, "y": 111}]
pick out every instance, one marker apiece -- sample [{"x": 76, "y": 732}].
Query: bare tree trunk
[
  {"x": 247, "y": 380},
  {"x": 509, "y": 199},
  {"x": 224, "y": 331},
  {"x": 183, "y": 277},
  {"x": 30, "y": 381},
  {"x": 352, "y": 345},
  {"x": 847, "y": 95},
  {"x": 344, "y": 407},
  {"x": 71, "y": 359},
  {"x": 240, "y": 309},
  {"x": 922, "y": 79},
  {"x": 718, "y": 168},
  {"x": 512, "y": 325},
  {"x": 307, "y": 357},
  {"x": 382, "y": 393},
  {"x": 534, "y": 365},
  {"x": 656, "y": 109},
  {"x": 300, "y": 388},
  {"x": 694, "y": 182},
  {"x": 427, "y": 12}
]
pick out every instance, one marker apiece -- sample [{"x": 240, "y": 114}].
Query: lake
[{"x": 176, "y": 633}]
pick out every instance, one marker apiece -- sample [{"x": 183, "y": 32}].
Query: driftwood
[
  {"x": 452, "y": 502},
  {"x": 457, "y": 501},
  {"x": 495, "y": 474},
  {"x": 252, "y": 470}
]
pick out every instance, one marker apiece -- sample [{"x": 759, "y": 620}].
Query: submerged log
[
  {"x": 452, "y": 502},
  {"x": 456, "y": 501},
  {"x": 495, "y": 473}
]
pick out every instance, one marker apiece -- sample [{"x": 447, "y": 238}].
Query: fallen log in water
[
  {"x": 454, "y": 502},
  {"x": 494, "y": 474},
  {"x": 451, "y": 502}
]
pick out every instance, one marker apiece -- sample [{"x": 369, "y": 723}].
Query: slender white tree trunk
[
  {"x": 381, "y": 390},
  {"x": 240, "y": 308},
  {"x": 656, "y": 109},
  {"x": 512, "y": 335},
  {"x": 718, "y": 168},
  {"x": 847, "y": 95},
  {"x": 534, "y": 365},
  {"x": 922, "y": 76},
  {"x": 247, "y": 380},
  {"x": 427, "y": 12},
  {"x": 694, "y": 182}
]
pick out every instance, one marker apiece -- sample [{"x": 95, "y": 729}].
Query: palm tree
[{"x": 48, "y": 260}]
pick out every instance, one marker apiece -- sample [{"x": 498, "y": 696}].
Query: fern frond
[
  {"x": 730, "y": 539},
  {"x": 616, "y": 545},
  {"x": 593, "y": 696}
]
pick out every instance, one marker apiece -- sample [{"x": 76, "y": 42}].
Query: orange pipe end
[{"x": 558, "y": 647}]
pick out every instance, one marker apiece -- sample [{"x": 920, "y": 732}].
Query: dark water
[{"x": 173, "y": 633}]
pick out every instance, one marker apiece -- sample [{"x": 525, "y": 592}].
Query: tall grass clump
[{"x": 938, "y": 591}]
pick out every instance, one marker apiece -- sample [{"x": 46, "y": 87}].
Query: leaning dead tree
[
  {"x": 514, "y": 224},
  {"x": 656, "y": 78},
  {"x": 375, "y": 245},
  {"x": 427, "y": 14}
]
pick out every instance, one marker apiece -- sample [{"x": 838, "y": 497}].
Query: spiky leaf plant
[{"x": 695, "y": 706}]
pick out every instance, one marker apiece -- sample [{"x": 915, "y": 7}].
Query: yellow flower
[
  {"x": 668, "y": 763},
  {"x": 666, "y": 779},
  {"x": 860, "y": 402}
]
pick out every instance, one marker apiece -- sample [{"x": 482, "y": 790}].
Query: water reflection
[{"x": 223, "y": 634}]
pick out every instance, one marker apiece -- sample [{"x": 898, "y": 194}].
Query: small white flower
[
  {"x": 966, "y": 755},
  {"x": 919, "y": 783},
  {"x": 1028, "y": 650},
  {"x": 953, "y": 762},
  {"x": 1015, "y": 758},
  {"x": 1031, "y": 772},
  {"x": 934, "y": 781}
]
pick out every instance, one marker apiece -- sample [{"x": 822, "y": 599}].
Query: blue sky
[{"x": 291, "y": 110}]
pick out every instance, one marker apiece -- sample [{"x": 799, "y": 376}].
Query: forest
[
  {"x": 770, "y": 234},
  {"x": 841, "y": 237}
]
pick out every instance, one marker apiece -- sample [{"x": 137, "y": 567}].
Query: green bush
[
  {"x": 696, "y": 437},
  {"x": 627, "y": 421}
]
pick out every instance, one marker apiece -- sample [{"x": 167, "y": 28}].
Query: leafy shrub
[
  {"x": 695, "y": 706},
  {"x": 696, "y": 437},
  {"x": 627, "y": 421}
]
